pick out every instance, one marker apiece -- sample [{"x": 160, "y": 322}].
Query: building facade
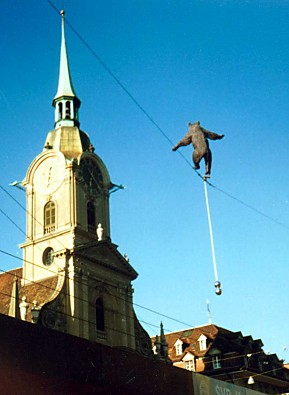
[
  {"x": 73, "y": 278},
  {"x": 227, "y": 356}
]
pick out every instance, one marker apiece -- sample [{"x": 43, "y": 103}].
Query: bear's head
[{"x": 197, "y": 123}]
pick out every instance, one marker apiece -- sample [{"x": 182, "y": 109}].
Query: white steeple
[{"x": 66, "y": 102}]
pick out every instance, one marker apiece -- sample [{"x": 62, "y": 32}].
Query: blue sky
[{"x": 223, "y": 62}]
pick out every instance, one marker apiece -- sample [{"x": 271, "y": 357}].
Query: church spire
[{"x": 66, "y": 102}]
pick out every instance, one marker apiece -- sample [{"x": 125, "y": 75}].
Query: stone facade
[{"x": 74, "y": 274}]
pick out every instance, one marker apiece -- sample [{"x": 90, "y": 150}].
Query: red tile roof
[
  {"x": 41, "y": 291},
  {"x": 6, "y": 284},
  {"x": 215, "y": 335}
]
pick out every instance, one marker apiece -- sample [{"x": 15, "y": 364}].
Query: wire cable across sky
[{"x": 161, "y": 131}]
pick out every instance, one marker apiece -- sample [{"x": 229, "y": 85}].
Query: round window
[{"x": 47, "y": 257}]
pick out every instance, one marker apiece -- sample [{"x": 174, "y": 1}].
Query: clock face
[
  {"x": 49, "y": 175},
  {"x": 91, "y": 173}
]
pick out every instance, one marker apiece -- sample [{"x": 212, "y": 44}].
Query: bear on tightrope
[{"x": 199, "y": 136}]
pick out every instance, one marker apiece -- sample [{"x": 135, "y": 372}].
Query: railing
[{"x": 49, "y": 229}]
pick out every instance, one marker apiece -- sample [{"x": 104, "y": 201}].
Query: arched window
[
  {"x": 90, "y": 217},
  {"x": 49, "y": 217},
  {"x": 67, "y": 110},
  {"x": 99, "y": 315},
  {"x": 60, "y": 111}
]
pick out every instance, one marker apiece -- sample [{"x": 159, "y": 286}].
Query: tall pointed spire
[
  {"x": 162, "y": 346},
  {"x": 66, "y": 102},
  {"x": 14, "y": 301},
  {"x": 65, "y": 87}
]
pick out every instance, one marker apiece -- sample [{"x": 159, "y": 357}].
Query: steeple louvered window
[
  {"x": 91, "y": 223},
  {"x": 60, "y": 111},
  {"x": 67, "y": 110}
]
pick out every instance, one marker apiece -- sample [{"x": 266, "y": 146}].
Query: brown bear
[{"x": 199, "y": 136}]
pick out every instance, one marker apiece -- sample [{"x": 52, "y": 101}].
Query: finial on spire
[{"x": 62, "y": 13}]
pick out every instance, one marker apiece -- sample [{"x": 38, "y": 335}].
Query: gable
[
  {"x": 105, "y": 254},
  {"x": 188, "y": 357}
]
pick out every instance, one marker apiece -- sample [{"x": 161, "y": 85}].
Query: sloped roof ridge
[
  {"x": 125, "y": 265},
  {"x": 10, "y": 271},
  {"x": 196, "y": 327}
]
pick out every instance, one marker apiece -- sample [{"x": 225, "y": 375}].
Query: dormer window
[
  {"x": 202, "y": 342},
  {"x": 189, "y": 361},
  {"x": 216, "y": 362},
  {"x": 190, "y": 365},
  {"x": 179, "y": 347},
  {"x": 216, "y": 358}
]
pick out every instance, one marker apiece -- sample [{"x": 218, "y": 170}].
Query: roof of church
[{"x": 40, "y": 291}]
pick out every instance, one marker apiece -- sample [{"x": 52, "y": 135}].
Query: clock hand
[
  {"x": 93, "y": 178},
  {"x": 49, "y": 177}
]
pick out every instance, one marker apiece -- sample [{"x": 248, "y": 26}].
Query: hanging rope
[{"x": 217, "y": 282}]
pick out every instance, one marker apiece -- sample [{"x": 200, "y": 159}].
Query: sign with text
[{"x": 204, "y": 385}]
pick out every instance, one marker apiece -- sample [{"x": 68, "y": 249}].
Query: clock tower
[{"x": 84, "y": 282}]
